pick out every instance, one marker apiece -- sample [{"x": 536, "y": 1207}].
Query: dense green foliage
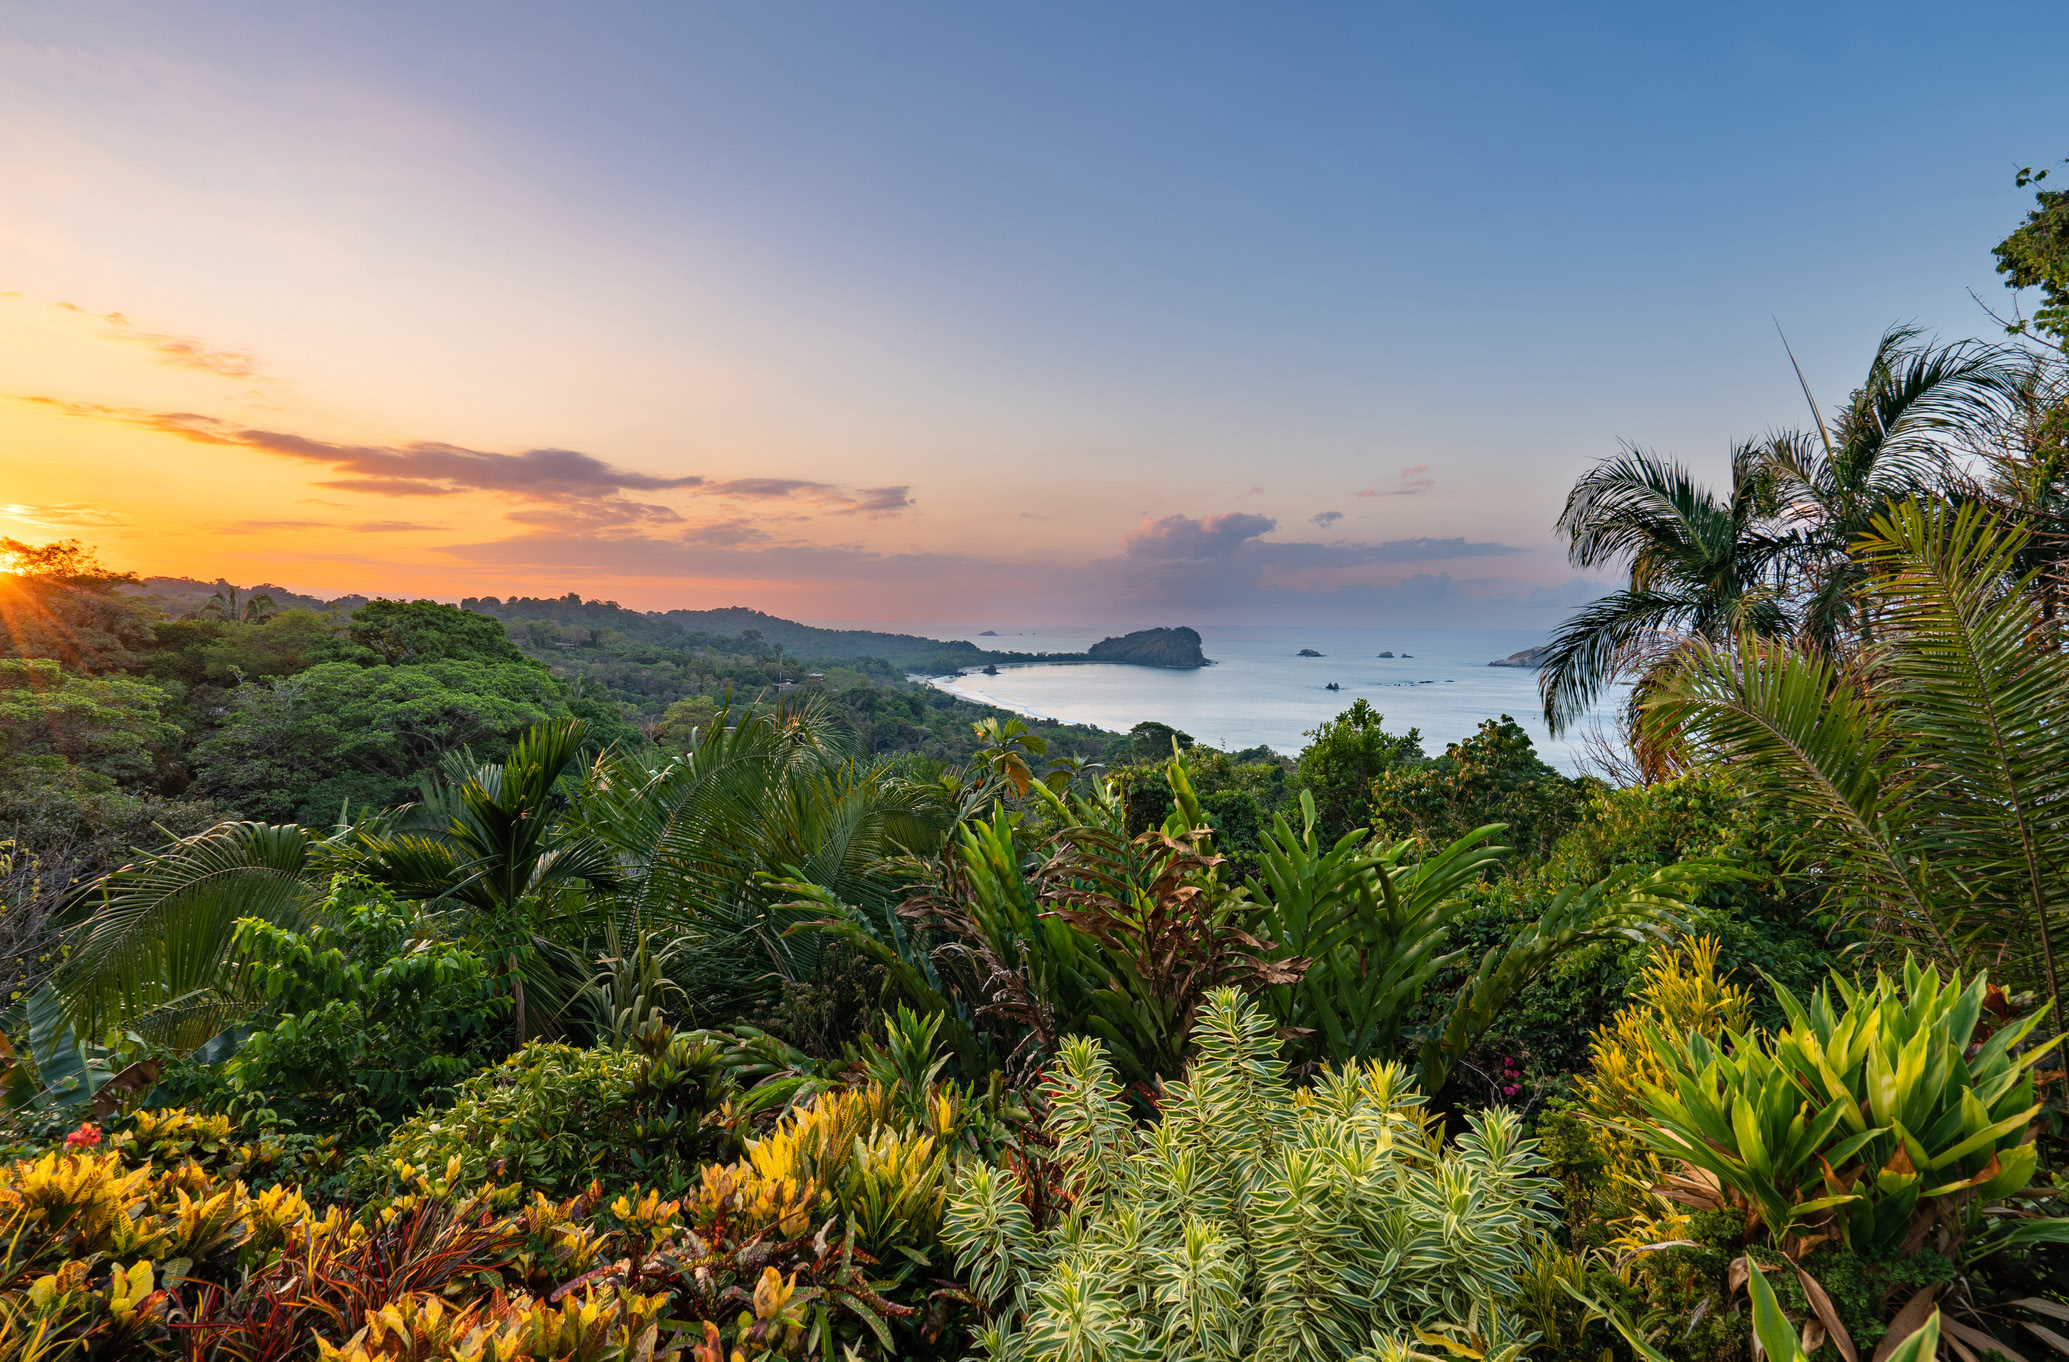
[
  {"x": 363, "y": 1019},
  {"x": 2036, "y": 255}
]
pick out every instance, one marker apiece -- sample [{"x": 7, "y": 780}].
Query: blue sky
[{"x": 932, "y": 312}]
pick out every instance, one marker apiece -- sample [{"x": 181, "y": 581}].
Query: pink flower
[
  {"x": 86, "y": 1137},
  {"x": 1510, "y": 1090}
]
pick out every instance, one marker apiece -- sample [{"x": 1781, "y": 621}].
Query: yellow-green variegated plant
[
  {"x": 1869, "y": 1119},
  {"x": 1319, "y": 1224}
]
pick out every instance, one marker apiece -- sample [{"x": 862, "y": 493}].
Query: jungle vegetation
[{"x": 390, "y": 980}]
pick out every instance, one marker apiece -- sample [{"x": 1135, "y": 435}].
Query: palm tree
[
  {"x": 492, "y": 841},
  {"x": 157, "y": 954},
  {"x": 1701, "y": 567},
  {"x": 690, "y": 858},
  {"x": 2019, "y": 468},
  {"x": 1932, "y": 768},
  {"x": 1895, "y": 437},
  {"x": 1776, "y": 554},
  {"x": 704, "y": 840}
]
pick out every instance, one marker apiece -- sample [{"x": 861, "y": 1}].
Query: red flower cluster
[{"x": 86, "y": 1137}]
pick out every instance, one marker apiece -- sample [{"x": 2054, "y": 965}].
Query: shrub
[
  {"x": 1680, "y": 993},
  {"x": 553, "y": 1118},
  {"x": 375, "y": 1018},
  {"x": 1316, "y": 1223},
  {"x": 90, "y": 1242}
]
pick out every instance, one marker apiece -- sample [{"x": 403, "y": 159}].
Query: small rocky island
[
  {"x": 1307, "y": 652},
  {"x": 1179, "y": 647},
  {"x": 1385, "y": 654},
  {"x": 1529, "y": 657}
]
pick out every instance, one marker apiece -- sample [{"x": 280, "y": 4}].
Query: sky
[{"x": 1010, "y": 313}]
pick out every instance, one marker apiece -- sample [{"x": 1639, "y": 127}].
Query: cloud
[
  {"x": 267, "y": 526},
  {"x": 724, "y": 534},
  {"x": 1224, "y": 561},
  {"x": 64, "y": 514},
  {"x": 1413, "y": 483},
  {"x": 183, "y": 352},
  {"x": 1182, "y": 537},
  {"x": 186, "y": 352},
  {"x": 765, "y": 489},
  {"x": 423, "y": 468},
  {"x": 1325, "y": 518},
  {"x": 363, "y": 527},
  {"x": 875, "y": 501},
  {"x": 594, "y": 517},
  {"x": 1171, "y": 570},
  {"x": 586, "y": 492},
  {"x": 869, "y": 501}
]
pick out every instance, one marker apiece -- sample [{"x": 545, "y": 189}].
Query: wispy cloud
[
  {"x": 725, "y": 534},
  {"x": 582, "y": 491},
  {"x": 363, "y": 527},
  {"x": 1171, "y": 569},
  {"x": 867, "y": 501},
  {"x": 1413, "y": 482},
  {"x": 600, "y": 516},
  {"x": 1325, "y": 518},
  {"x": 270, "y": 526},
  {"x": 422, "y": 468},
  {"x": 184, "y": 352},
  {"x": 64, "y": 515}
]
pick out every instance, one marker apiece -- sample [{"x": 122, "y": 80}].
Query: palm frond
[
  {"x": 161, "y": 937},
  {"x": 1985, "y": 706},
  {"x": 1815, "y": 728}
]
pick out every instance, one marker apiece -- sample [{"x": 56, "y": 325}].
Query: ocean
[{"x": 1261, "y": 692}]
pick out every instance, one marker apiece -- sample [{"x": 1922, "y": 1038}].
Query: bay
[{"x": 1260, "y": 691}]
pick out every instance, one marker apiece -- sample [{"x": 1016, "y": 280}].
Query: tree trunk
[{"x": 516, "y": 1003}]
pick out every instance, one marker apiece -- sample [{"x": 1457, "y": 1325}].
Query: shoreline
[{"x": 936, "y": 683}]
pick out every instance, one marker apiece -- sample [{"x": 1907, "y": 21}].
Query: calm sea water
[{"x": 1260, "y": 691}]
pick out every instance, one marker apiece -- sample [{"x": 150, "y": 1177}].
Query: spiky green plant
[
  {"x": 1254, "y": 1220},
  {"x": 1879, "y": 1121}
]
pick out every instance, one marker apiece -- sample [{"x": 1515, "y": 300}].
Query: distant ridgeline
[
  {"x": 180, "y": 595},
  {"x": 727, "y": 627}
]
